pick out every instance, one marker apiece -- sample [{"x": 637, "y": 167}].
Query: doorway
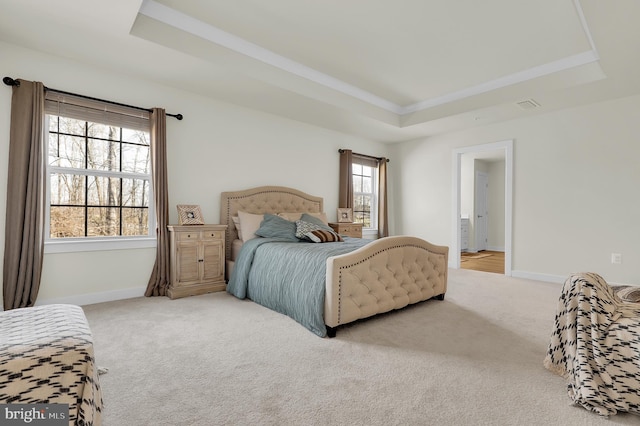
[{"x": 504, "y": 149}]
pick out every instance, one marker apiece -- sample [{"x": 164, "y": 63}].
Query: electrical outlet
[{"x": 616, "y": 258}]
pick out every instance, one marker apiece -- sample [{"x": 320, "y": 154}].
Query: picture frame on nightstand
[
  {"x": 189, "y": 214},
  {"x": 345, "y": 215}
]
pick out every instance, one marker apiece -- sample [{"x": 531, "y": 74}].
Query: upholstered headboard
[{"x": 260, "y": 200}]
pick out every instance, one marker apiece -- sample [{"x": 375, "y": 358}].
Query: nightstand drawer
[
  {"x": 188, "y": 236},
  {"x": 213, "y": 235},
  {"x": 199, "y": 235}
]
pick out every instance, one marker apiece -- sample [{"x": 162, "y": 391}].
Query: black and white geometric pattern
[
  {"x": 46, "y": 357},
  {"x": 595, "y": 346},
  {"x": 315, "y": 233},
  {"x": 303, "y": 228}
]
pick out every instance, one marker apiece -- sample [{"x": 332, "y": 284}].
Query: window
[
  {"x": 365, "y": 192},
  {"x": 98, "y": 174}
]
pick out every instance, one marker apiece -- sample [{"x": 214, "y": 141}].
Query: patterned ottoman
[
  {"x": 595, "y": 345},
  {"x": 46, "y": 357}
]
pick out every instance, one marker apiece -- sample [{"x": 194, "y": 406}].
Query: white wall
[
  {"x": 576, "y": 180},
  {"x": 482, "y": 167},
  {"x": 496, "y": 171},
  {"x": 217, "y": 147},
  {"x": 467, "y": 192},
  {"x": 468, "y": 168}
]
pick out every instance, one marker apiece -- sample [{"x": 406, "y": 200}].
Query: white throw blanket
[
  {"x": 595, "y": 345},
  {"x": 46, "y": 357}
]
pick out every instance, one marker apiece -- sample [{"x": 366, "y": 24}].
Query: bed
[
  {"x": 46, "y": 357},
  {"x": 359, "y": 278}
]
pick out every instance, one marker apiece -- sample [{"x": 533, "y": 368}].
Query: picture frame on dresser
[{"x": 189, "y": 214}]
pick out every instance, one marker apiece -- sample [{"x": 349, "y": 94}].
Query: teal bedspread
[{"x": 287, "y": 277}]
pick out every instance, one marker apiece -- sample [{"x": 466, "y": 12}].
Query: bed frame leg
[
  {"x": 331, "y": 331},
  {"x": 439, "y": 297}
]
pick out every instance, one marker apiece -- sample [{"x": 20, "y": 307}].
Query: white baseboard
[
  {"x": 549, "y": 278},
  {"x": 534, "y": 276},
  {"x": 558, "y": 279},
  {"x": 91, "y": 298},
  {"x": 495, "y": 248},
  {"x": 489, "y": 248}
]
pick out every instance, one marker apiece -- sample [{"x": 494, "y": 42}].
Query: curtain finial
[{"x": 11, "y": 82}]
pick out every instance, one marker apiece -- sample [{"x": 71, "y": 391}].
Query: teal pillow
[
  {"x": 273, "y": 226},
  {"x": 312, "y": 219}
]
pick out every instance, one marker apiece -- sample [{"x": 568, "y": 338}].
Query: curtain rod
[
  {"x": 364, "y": 155},
  {"x": 12, "y": 82}
]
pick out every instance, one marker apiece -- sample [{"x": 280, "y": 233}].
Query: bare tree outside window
[
  {"x": 363, "y": 194},
  {"x": 99, "y": 179}
]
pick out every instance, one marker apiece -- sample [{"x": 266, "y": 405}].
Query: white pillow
[
  {"x": 236, "y": 222},
  {"x": 249, "y": 223}
]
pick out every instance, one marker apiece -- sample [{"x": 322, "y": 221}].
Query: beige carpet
[{"x": 473, "y": 359}]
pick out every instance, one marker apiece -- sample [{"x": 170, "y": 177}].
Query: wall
[
  {"x": 482, "y": 167},
  {"x": 468, "y": 195},
  {"x": 496, "y": 171},
  {"x": 575, "y": 182},
  {"x": 217, "y": 147}
]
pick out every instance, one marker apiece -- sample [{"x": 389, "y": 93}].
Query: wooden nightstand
[
  {"x": 349, "y": 229},
  {"x": 197, "y": 259}
]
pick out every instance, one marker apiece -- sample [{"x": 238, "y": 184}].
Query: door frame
[{"x": 507, "y": 146}]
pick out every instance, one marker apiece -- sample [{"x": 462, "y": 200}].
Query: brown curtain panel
[
  {"x": 160, "y": 275},
  {"x": 383, "y": 222},
  {"x": 24, "y": 239},
  {"x": 345, "y": 194}
]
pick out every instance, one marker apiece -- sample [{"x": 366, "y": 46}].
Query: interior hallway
[{"x": 485, "y": 261}]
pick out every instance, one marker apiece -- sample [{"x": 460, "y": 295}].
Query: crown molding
[{"x": 191, "y": 25}]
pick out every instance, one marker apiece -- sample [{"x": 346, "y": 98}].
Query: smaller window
[{"x": 365, "y": 192}]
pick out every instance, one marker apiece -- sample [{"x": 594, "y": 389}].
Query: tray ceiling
[{"x": 387, "y": 71}]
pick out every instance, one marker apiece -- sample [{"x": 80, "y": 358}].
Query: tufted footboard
[{"x": 390, "y": 273}]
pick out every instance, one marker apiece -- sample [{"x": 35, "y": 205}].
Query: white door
[{"x": 481, "y": 210}]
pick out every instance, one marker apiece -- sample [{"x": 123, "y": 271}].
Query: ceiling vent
[{"x": 528, "y": 104}]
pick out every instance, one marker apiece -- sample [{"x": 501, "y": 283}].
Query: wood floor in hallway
[{"x": 485, "y": 261}]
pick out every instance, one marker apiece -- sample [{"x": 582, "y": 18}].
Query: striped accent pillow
[{"x": 323, "y": 236}]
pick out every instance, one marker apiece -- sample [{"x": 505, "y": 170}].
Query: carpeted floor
[{"x": 473, "y": 359}]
